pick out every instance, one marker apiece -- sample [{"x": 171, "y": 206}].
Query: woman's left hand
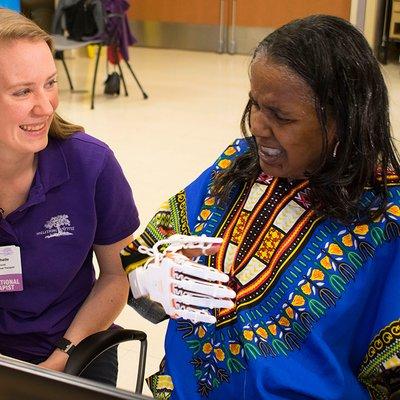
[
  {"x": 102, "y": 306},
  {"x": 56, "y": 361}
]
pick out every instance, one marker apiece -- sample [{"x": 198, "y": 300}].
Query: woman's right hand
[{"x": 185, "y": 288}]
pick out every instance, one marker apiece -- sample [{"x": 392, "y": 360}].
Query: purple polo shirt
[{"x": 79, "y": 197}]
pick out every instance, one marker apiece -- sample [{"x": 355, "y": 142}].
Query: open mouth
[
  {"x": 269, "y": 155},
  {"x": 33, "y": 127}
]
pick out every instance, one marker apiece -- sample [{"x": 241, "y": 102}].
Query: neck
[{"x": 17, "y": 166}]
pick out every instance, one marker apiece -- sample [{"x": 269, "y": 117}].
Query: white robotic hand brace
[{"x": 185, "y": 288}]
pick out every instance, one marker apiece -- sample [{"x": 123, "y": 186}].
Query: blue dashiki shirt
[{"x": 317, "y": 313}]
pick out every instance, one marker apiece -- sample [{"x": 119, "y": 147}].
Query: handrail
[
  {"x": 232, "y": 41},
  {"x": 385, "y": 29},
  {"x": 221, "y": 42}
]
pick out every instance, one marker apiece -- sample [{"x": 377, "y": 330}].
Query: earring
[{"x": 335, "y": 149}]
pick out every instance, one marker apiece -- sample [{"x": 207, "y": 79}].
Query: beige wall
[
  {"x": 367, "y": 15},
  {"x": 373, "y": 22}
]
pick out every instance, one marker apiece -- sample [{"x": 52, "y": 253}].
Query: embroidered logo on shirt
[{"x": 59, "y": 225}]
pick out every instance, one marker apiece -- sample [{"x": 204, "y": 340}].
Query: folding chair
[
  {"x": 94, "y": 345},
  {"x": 108, "y": 36},
  {"x": 61, "y": 43}
]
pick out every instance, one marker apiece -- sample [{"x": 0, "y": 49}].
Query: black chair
[{"x": 91, "y": 347}]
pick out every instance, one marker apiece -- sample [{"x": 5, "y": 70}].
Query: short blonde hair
[{"x": 14, "y": 26}]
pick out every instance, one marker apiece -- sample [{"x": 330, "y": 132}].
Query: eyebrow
[
  {"x": 30, "y": 83},
  {"x": 273, "y": 108}
]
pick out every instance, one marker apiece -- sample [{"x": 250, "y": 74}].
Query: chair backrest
[
  {"x": 81, "y": 20},
  {"x": 91, "y": 347}
]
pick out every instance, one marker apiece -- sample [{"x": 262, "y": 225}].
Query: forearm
[
  {"x": 105, "y": 302},
  {"x": 98, "y": 312},
  {"x": 108, "y": 296}
]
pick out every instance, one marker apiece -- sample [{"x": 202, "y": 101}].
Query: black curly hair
[{"x": 335, "y": 60}]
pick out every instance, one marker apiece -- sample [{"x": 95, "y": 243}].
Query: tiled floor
[{"x": 193, "y": 111}]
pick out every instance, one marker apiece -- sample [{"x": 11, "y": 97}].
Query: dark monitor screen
[{"x": 23, "y": 381}]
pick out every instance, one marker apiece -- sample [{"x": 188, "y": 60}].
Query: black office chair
[{"x": 93, "y": 346}]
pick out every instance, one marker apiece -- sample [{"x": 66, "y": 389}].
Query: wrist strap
[{"x": 65, "y": 345}]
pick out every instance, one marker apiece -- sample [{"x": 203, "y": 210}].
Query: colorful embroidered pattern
[
  {"x": 211, "y": 213},
  {"x": 287, "y": 266},
  {"x": 285, "y": 283},
  {"x": 256, "y": 255},
  {"x": 382, "y": 362},
  {"x": 160, "y": 384},
  {"x": 170, "y": 219}
]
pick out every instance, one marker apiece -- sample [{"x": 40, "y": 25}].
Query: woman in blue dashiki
[{"x": 307, "y": 205}]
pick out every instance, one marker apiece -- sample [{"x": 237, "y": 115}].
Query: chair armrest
[
  {"x": 91, "y": 347},
  {"x": 395, "y": 395}
]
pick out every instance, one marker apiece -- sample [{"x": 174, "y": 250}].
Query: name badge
[{"x": 10, "y": 269}]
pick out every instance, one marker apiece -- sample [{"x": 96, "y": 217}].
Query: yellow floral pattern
[
  {"x": 219, "y": 354},
  {"x": 207, "y": 348},
  {"x": 234, "y": 348},
  {"x": 224, "y": 164},
  {"x": 361, "y": 230},
  {"x": 248, "y": 335}
]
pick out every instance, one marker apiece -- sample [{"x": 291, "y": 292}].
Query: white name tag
[{"x": 10, "y": 269}]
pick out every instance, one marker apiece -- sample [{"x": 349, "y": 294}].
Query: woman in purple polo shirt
[{"x": 61, "y": 196}]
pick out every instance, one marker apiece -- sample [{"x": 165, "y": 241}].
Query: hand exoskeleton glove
[{"x": 185, "y": 288}]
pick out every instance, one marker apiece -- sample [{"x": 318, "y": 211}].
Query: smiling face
[
  {"x": 28, "y": 96},
  {"x": 284, "y": 122}
]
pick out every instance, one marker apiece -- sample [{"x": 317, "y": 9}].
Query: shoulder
[
  {"x": 84, "y": 142},
  {"x": 233, "y": 151},
  {"x": 237, "y": 148},
  {"x": 83, "y": 149},
  {"x": 392, "y": 194},
  {"x": 200, "y": 189},
  {"x": 224, "y": 160},
  {"x": 385, "y": 226}
]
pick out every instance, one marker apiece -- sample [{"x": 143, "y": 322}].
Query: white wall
[{"x": 367, "y": 15}]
